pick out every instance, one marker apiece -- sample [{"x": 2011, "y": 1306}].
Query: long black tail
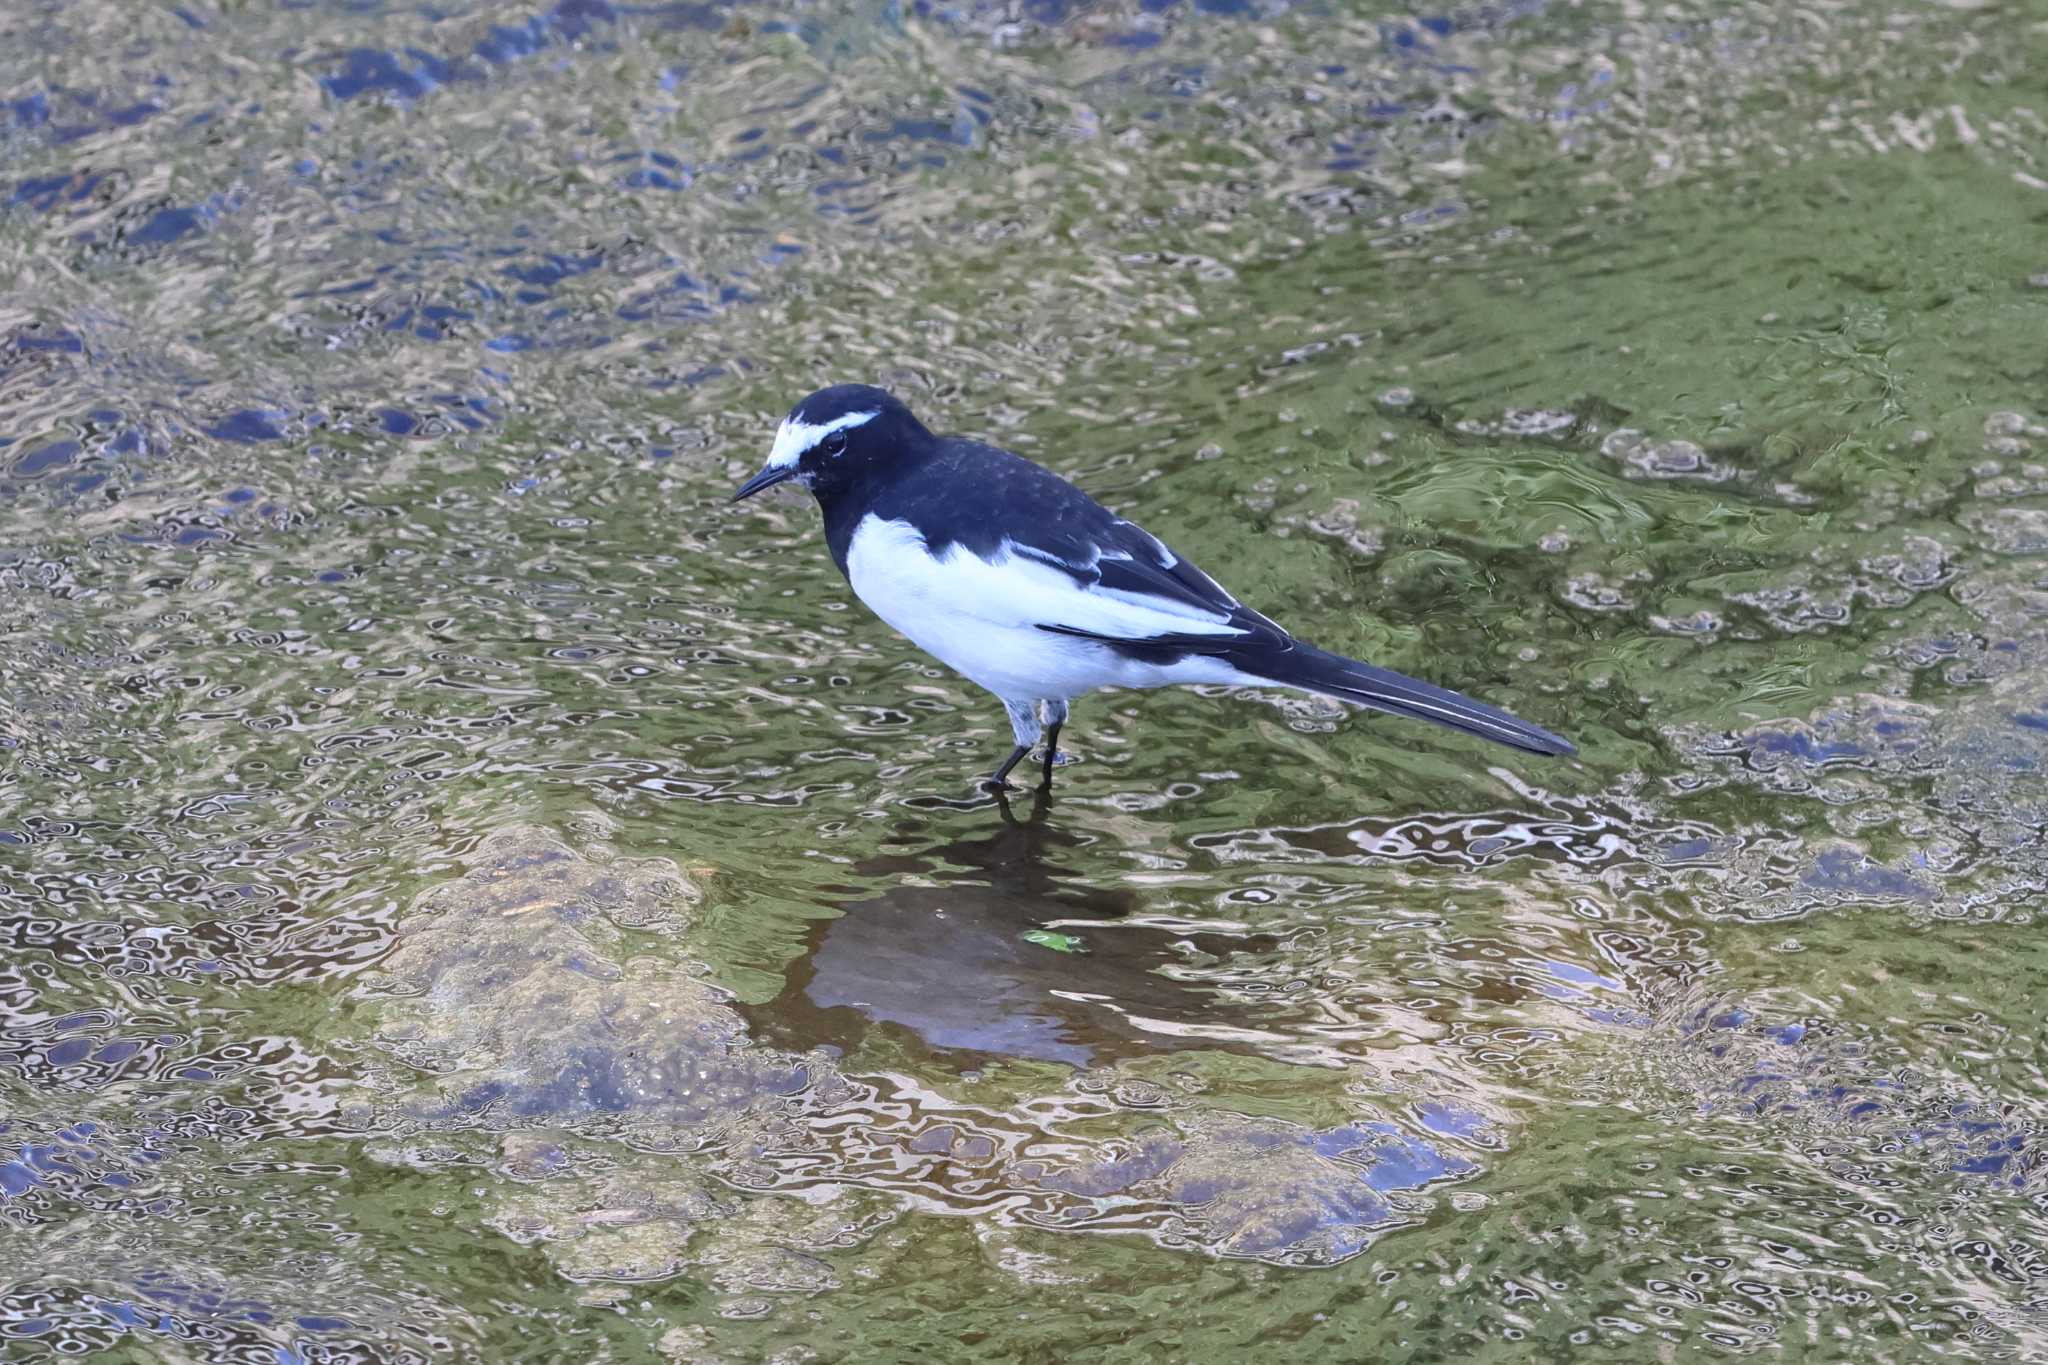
[{"x": 1333, "y": 675}]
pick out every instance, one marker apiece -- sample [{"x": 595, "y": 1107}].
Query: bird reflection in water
[{"x": 986, "y": 944}]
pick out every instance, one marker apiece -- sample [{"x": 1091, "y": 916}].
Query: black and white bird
[{"x": 1022, "y": 583}]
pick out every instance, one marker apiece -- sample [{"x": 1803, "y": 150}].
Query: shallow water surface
[{"x": 470, "y": 892}]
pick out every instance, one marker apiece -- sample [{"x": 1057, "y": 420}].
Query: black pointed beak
[{"x": 766, "y": 479}]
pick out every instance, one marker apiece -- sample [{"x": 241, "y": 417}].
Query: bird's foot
[
  {"x": 999, "y": 780},
  {"x": 997, "y": 784}
]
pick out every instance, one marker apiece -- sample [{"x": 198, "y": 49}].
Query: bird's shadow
[{"x": 982, "y": 940}]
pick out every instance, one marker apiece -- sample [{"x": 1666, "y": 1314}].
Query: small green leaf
[{"x": 1059, "y": 943}]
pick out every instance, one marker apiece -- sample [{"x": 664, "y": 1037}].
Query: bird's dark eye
[{"x": 835, "y": 444}]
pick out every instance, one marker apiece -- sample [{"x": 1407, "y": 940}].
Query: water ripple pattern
[{"x": 468, "y": 892}]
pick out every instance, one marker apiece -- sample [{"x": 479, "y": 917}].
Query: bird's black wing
[
  {"x": 1125, "y": 558},
  {"x": 1027, "y": 510}
]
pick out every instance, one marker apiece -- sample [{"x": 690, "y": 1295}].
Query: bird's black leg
[
  {"x": 1055, "y": 717},
  {"x": 1023, "y": 724},
  {"x": 1052, "y": 750},
  {"x": 1000, "y": 779}
]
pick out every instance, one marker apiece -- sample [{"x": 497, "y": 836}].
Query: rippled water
[{"x": 469, "y": 891}]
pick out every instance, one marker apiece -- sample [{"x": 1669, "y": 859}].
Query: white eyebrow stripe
[{"x": 794, "y": 437}]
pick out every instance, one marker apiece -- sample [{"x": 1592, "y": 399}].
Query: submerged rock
[
  {"x": 651, "y": 1219},
  {"x": 1942, "y": 805},
  {"x": 514, "y": 989},
  {"x": 1843, "y": 1094},
  {"x": 1257, "y": 1188}
]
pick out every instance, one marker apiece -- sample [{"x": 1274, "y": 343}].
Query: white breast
[{"x": 982, "y": 617}]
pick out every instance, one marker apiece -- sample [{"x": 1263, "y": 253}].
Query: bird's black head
[{"x": 838, "y": 437}]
